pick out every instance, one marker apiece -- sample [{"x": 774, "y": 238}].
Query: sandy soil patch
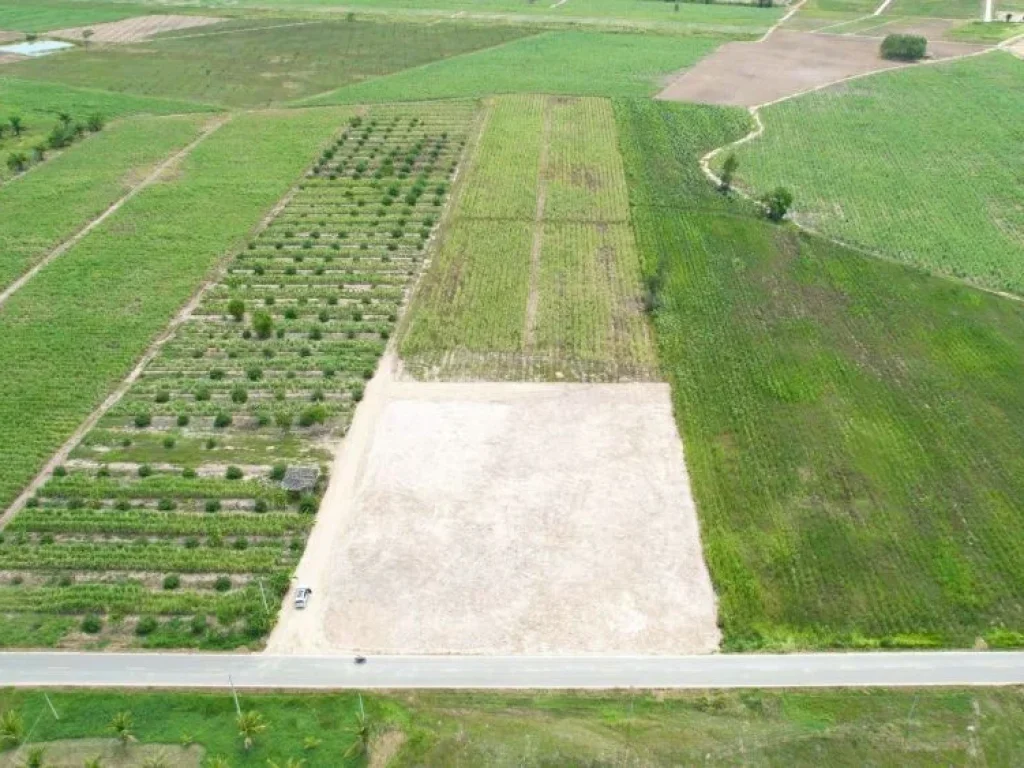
[
  {"x": 11, "y": 58},
  {"x": 134, "y": 30},
  {"x": 8, "y": 37},
  {"x": 788, "y": 62},
  {"x": 495, "y": 518},
  {"x": 71, "y": 753}
]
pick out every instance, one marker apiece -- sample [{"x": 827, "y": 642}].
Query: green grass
[
  {"x": 76, "y": 328},
  {"x": 574, "y": 62},
  {"x": 263, "y": 66},
  {"x": 943, "y": 9},
  {"x": 878, "y": 163},
  {"x": 984, "y": 32},
  {"x": 771, "y": 728},
  {"x": 39, "y": 104},
  {"x": 87, "y": 178},
  {"x": 522, "y": 289},
  {"x": 41, "y": 15},
  {"x": 620, "y": 14},
  {"x": 851, "y": 425}
]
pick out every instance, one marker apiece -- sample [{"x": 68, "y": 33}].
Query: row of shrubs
[{"x": 64, "y": 133}]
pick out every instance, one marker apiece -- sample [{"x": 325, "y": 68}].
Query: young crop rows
[
  {"x": 539, "y": 276},
  {"x": 176, "y": 521}
]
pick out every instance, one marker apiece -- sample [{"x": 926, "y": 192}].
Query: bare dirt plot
[
  {"x": 72, "y": 753},
  {"x": 507, "y": 519},
  {"x": 11, "y": 58},
  {"x": 751, "y": 74},
  {"x": 7, "y": 37},
  {"x": 134, "y": 30}
]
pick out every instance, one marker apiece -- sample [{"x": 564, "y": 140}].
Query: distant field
[
  {"x": 264, "y": 65},
  {"x": 40, "y": 15},
  {"x": 841, "y": 729},
  {"x": 537, "y": 276},
  {"x": 577, "y": 63},
  {"x": 984, "y": 32},
  {"x": 661, "y": 14},
  {"x": 76, "y": 328},
  {"x": 39, "y": 104},
  {"x": 943, "y": 9},
  {"x": 852, "y": 427},
  {"x": 879, "y": 163}
]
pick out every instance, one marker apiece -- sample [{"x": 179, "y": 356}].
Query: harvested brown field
[
  {"x": 134, "y": 30},
  {"x": 506, "y": 518},
  {"x": 787, "y": 63}
]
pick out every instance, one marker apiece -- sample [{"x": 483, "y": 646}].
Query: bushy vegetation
[
  {"x": 538, "y": 275},
  {"x": 849, "y": 423},
  {"x": 504, "y": 729},
  {"x": 263, "y": 66},
  {"x": 38, "y": 118},
  {"x": 903, "y": 47},
  {"x": 206, "y": 434},
  {"x": 880, "y": 164}
]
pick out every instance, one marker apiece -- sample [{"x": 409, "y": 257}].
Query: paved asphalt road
[{"x": 754, "y": 670}]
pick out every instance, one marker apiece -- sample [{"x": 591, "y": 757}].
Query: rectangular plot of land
[
  {"x": 585, "y": 180},
  {"x": 590, "y": 320},
  {"x": 517, "y": 518}
]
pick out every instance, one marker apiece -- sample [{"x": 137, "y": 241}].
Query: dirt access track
[
  {"x": 497, "y": 518},
  {"x": 133, "y": 30},
  {"x": 786, "y": 63}
]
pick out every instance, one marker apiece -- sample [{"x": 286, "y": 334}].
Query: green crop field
[
  {"x": 264, "y": 65},
  {"x": 686, "y": 17},
  {"x": 575, "y": 62},
  {"x": 78, "y": 325},
  {"x": 851, "y": 425},
  {"x": 41, "y": 15},
  {"x": 538, "y": 274},
  {"x": 39, "y": 106},
  {"x": 86, "y": 179},
  {"x": 942, "y": 9},
  {"x": 183, "y": 472},
  {"x": 879, "y": 164},
  {"x": 852, "y": 728}
]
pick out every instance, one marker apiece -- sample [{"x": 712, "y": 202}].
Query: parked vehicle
[{"x": 302, "y": 596}]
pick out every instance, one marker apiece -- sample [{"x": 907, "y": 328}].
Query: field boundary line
[
  {"x": 304, "y": 101},
  {"x": 786, "y": 17},
  {"x": 231, "y": 31},
  {"x": 537, "y": 243},
  {"x": 881, "y": 9},
  {"x": 215, "y": 275},
  {"x": 758, "y": 130},
  {"x": 150, "y": 179}
]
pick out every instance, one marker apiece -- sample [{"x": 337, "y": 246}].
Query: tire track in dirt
[
  {"x": 533, "y": 299},
  {"x": 148, "y": 181},
  {"x": 148, "y": 356}
]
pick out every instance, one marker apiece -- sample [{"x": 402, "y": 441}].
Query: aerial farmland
[{"x": 506, "y": 330}]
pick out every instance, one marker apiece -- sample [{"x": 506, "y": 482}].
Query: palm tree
[
  {"x": 12, "y": 729},
  {"x": 250, "y": 724},
  {"x": 216, "y": 762},
  {"x": 16, "y": 125},
  {"x": 291, "y": 762},
  {"x": 362, "y": 730},
  {"x": 96, "y": 762},
  {"x": 121, "y": 725}
]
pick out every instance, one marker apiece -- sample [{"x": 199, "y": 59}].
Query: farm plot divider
[{"x": 170, "y": 525}]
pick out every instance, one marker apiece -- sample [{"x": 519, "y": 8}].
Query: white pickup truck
[{"x": 302, "y": 595}]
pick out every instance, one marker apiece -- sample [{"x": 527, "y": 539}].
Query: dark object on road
[
  {"x": 904, "y": 47},
  {"x": 360, "y": 659}
]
